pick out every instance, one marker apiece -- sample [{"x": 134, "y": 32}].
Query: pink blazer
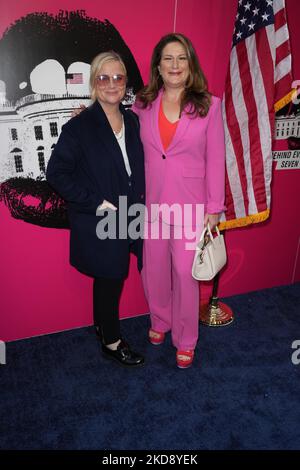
[{"x": 192, "y": 169}]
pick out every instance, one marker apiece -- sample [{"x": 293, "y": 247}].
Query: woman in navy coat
[{"x": 97, "y": 159}]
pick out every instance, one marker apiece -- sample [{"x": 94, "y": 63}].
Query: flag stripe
[
  {"x": 242, "y": 117},
  {"x": 254, "y": 149},
  {"x": 266, "y": 67},
  {"x": 282, "y": 51},
  {"x": 265, "y": 129},
  {"x": 283, "y": 87},
  {"x": 281, "y": 35},
  {"x": 278, "y": 5},
  {"x": 264, "y": 43},
  {"x": 280, "y": 19},
  {"x": 282, "y": 67},
  {"x": 235, "y": 197},
  {"x": 236, "y": 166},
  {"x": 233, "y": 204}
]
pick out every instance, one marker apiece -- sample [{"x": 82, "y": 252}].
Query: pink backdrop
[{"x": 40, "y": 292}]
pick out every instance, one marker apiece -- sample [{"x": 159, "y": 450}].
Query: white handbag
[{"x": 210, "y": 255}]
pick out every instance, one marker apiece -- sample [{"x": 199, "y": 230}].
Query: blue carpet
[{"x": 58, "y": 392}]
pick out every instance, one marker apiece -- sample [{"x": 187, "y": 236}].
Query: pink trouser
[{"x": 171, "y": 291}]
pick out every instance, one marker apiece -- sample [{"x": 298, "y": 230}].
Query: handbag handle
[
  {"x": 206, "y": 236},
  {"x": 208, "y": 229}
]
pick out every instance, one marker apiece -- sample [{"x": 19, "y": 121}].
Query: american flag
[
  {"x": 258, "y": 82},
  {"x": 74, "y": 78}
]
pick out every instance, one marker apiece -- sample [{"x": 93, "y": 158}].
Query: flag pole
[{"x": 214, "y": 312}]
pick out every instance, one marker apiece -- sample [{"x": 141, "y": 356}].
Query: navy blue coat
[{"x": 85, "y": 168}]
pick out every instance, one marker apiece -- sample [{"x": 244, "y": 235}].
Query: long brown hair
[{"x": 196, "y": 94}]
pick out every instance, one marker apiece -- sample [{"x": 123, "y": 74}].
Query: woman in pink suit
[{"x": 183, "y": 137}]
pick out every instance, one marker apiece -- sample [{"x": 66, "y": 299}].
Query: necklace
[{"x": 119, "y": 134}]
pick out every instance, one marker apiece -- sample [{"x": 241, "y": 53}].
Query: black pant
[{"x": 106, "y": 298}]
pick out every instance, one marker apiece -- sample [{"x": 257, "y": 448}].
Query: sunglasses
[{"x": 105, "y": 80}]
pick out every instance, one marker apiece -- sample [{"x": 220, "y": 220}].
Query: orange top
[{"x": 167, "y": 129}]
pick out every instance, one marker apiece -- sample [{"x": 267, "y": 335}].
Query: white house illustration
[
  {"x": 29, "y": 128},
  {"x": 287, "y": 126}
]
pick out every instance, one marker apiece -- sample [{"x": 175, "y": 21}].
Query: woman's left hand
[{"x": 212, "y": 219}]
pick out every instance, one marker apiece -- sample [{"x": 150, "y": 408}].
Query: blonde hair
[{"x": 96, "y": 65}]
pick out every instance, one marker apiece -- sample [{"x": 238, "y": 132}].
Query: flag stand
[{"x": 215, "y": 313}]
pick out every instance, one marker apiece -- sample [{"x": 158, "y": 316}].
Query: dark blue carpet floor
[{"x": 243, "y": 392}]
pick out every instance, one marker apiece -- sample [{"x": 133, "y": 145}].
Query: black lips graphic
[{"x": 67, "y": 38}]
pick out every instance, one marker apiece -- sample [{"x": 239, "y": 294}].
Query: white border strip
[
  {"x": 175, "y": 16},
  {"x": 295, "y": 264}
]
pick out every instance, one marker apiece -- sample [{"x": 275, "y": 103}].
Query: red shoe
[
  {"x": 187, "y": 362},
  {"x": 156, "y": 337}
]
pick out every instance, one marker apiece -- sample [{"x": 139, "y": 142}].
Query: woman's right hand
[
  {"x": 79, "y": 110},
  {"x": 212, "y": 220},
  {"x": 106, "y": 205}
]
